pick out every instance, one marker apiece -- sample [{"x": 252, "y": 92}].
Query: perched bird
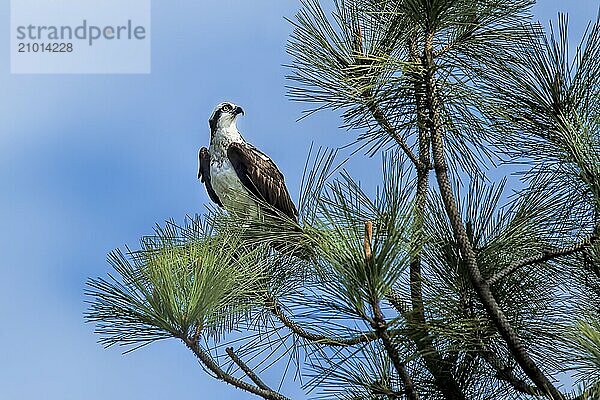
[{"x": 236, "y": 173}]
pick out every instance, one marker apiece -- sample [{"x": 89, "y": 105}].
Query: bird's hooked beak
[{"x": 238, "y": 110}]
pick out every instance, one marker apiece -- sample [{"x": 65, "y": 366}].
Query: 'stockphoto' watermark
[{"x": 80, "y": 36}]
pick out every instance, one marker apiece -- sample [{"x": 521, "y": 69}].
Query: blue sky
[{"x": 89, "y": 163}]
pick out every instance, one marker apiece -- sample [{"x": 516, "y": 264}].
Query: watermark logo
[{"x": 80, "y": 36}]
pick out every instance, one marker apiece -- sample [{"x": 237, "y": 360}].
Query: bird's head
[{"x": 224, "y": 117}]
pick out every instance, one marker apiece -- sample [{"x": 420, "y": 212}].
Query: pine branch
[
  {"x": 416, "y": 318},
  {"x": 385, "y": 124},
  {"x": 275, "y": 308},
  {"x": 543, "y": 257},
  {"x": 375, "y": 110},
  {"x": 423, "y": 340},
  {"x": 506, "y": 374},
  {"x": 481, "y": 287},
  {"x": 422, "y": 163},
  {"x": 207, "y": 360},
  {"x": 380, "y": 326},
  {"x": 503, "y": 372},
  {"x": 251, "y": 374},
  {"x": 416, "y": 285},
  {"x": 394, "y": 298}
]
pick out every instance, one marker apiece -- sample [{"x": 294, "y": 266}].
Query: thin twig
[
  {"x": 543, "y": 257},
  {"x": 313, "y": 337},
  {"x": 390, "y": 130},
  {"x": 207, "y": 360},
  {"x": 251, "y": 374}
]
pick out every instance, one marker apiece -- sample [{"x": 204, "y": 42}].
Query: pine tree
[{"x": 441, "y": 285}]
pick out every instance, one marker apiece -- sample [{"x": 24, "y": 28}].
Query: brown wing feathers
[
  {"x": 260, "y": 176},
  {"x": 204, "y": 174}
]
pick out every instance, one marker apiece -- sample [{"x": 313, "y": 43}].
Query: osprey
[{"x": 234, "y": 171}]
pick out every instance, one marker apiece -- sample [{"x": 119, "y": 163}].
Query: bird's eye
[{"x": 227, "y": 108}]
